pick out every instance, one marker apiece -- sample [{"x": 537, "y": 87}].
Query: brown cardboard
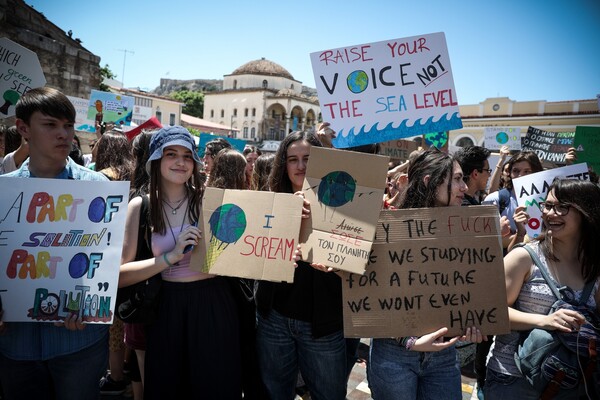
[
  {"x": 262, "y": 248},
  {"x": 405, "y": 292},
  {"x": 398, "y": 150},
  {"x": 341, "y": 236}
]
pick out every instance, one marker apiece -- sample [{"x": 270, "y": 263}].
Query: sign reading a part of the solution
[
  {"x": 60, "y": 248},
  {"x": 430, "y": 268},
  {"x": 20, "y": 71},
  {"x": 344, "y": 189},
  {"x": 532, "y": 189},
  {"x": 249, "y": 234},
  {"x": 495, "y": 138},
  {"x": 387, "y": 90}
]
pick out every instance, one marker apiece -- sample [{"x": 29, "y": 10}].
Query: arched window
[
  {"x": 212, "y": 113},
  {"x": 465, "y": 142},
  {"x": 245, "y": 112},
  {"x": 265, "y": 84},
  {"x": 254, "y": 112},
  {"x": 235, "y": 112},
  {"x": 235, "y": 83},
  {"x": 222, "y": 113},
  {"x": 292, "y": 86},
  {"x": 252, "y": 132}
]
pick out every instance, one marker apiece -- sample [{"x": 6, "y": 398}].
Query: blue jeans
[
  {"x": 499, "y": 386},
  {"x": 286, "y": 344},
  {"x": 395, "y": 373},
  {"x": 70, "y": 377}
]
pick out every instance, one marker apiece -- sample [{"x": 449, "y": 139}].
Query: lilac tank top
[{"x": 181, "y": 270}]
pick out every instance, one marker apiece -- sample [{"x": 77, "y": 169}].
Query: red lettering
[{"x": 38, "y": 200}]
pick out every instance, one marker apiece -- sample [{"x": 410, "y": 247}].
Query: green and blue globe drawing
[
  {"x": 357, "y": 81},
  {"x": 502, "y": 137}
]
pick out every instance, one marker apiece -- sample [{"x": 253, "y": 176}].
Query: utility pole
[{"x": 124, "y": 60}]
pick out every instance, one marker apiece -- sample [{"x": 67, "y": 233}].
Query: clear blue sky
[{"x": 525, "y": 50}]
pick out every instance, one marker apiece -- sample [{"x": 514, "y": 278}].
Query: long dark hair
[
  {"x": 530, "y": 157},
  {"x": 279, "y": 181},
  {"x": 114, "y": 153},
  {"x": 260, "y": 175},
  {"x": 140, "y": 149},
  {"x": 583, "y": 196},
  {"x": 229, "y": 170},
  {"x": 438, "y": 166}
]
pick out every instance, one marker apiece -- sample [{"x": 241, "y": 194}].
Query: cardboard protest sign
[
  {"x": 20, "y": 70},
  {"x": 82, "y": 123},
  {"x": 398, "y": 149},
  {"x": 533, "y": 188},
  {"x": 430, "y": 268},
  {"x": 60, "y": 248},
  {"x": 345, "y": 191},
  {"x": 587, "y": 144},
  {"x": 249, "y": 234},
  {"x": 387, "y": 90},
  {"x": 110, "y": 107},
  {"x": 549, "y": 146},
  {"x": 495, "y": 138}
]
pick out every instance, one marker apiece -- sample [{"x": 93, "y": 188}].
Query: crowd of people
[{"x": 230, "y": 338}]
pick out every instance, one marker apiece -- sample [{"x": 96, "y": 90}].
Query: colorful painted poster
[
  {"x": 430, "y": 268},
  {"x": 237, "y": 144},
  {"x": 20, "y": 70},
  {"x": 495, "y": 138},
  {"x": 533, "y": 189},
  {"x": 110, "y": 107},
  {"x": 249, "y": 234},
  {"x": 550, "y": 147},
  {"x": 82, "y": 123},
  {"x": 387, "y": 90},
  {"x": 587, "y": 144},
  {"x": 345, "y": 199},
  {"x": 60, "y": 248}
]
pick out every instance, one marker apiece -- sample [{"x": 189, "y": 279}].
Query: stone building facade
[{"x": 67, "y": 65}]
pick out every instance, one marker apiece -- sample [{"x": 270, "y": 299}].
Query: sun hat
[{"x": 170, "y": 136}]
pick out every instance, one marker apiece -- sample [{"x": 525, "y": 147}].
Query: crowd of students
[{"x": 228, "y": 338}]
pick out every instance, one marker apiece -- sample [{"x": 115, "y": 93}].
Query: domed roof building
[{"x": 263, "y": 101}]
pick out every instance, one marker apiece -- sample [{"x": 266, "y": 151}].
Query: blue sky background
[{"x": 525, "y": 50}]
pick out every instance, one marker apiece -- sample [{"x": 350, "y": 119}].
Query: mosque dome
[{"x": 263, "y": 67}]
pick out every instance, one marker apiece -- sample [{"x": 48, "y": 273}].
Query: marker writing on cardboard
[{"x": 190, "y": 247}]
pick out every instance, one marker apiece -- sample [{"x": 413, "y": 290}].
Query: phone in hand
[{"x": 190, "y": 247}]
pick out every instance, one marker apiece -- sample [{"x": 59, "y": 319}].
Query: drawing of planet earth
[
  {"x": 502, "y": 137},
  {"x": 358, "y": 81}
]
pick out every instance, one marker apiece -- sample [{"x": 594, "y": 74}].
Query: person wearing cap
[
  {"x": 197, "y": 318},
  {"x": 43, "y": 360}
]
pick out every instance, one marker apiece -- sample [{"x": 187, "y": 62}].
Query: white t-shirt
[{"x": 8, "y": 164}]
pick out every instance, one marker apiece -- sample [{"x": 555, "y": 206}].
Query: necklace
[
  {"x": 171, "y": 228},
  {"x": 174, "y": 209}
]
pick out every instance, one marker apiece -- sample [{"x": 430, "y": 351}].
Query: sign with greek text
[
  {"x": 110, "y": 107},
  {"x": 587, "y": 145},
  {"x": 532, "y": 189},
  {"x": 345, "y": 191},
  {"x": 551, "y": 147},
  {"x": 20, "y": 70},
  {"x": 249, "y": 234},
  {"x": 495, "y": 138},
  {"x": 60, "y": 248},
  {"x": 430, "y": 268},
  {"x": 398, "y": 149},
  {"x": 82, "y": 123},
  {"x": 387, "y": 90}
]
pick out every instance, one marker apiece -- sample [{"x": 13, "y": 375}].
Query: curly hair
[
  {"x": 419, "y": 193},
  {"x": 228, "y": 171},
  {"x": 583, "y": 196},
  {"x": 114, "y": 153},
  {"x": 260, "y": 175},
  {"x": 279, "y": 181}
]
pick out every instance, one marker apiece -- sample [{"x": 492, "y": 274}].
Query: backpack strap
[
  {"x": 143, "y": 248},
  {"x": 503, "y": 199},
  {"x": 587, "y": 290}
]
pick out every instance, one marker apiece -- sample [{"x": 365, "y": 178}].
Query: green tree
[
  {"x": 105, "y": 73},
  {"x": 194, "y": 102}
]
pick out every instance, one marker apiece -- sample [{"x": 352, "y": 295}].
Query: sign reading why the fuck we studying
[
  {"x": 60, "y": 248},
  {"x": 428, "y": 269},
  {"x": 387, "y": 90}
]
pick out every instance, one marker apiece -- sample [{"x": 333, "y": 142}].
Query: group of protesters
[{"x": 229, "y": 338}]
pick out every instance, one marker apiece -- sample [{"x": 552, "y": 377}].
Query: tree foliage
[
  {"x": 194, "y": 102},
  {"x": 105, "y": 73}
]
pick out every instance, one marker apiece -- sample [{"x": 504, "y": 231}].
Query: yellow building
[{"x": 553, "y": 116}]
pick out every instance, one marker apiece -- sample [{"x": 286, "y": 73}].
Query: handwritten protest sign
[
  {"x": 387, "y": 90},
  {"x": 20, "y": 70},
  {"x": 587, "y": 144},
  {"x": 345, "y": 197},
  {"x": 82, "y": 123},
  {"x": 549, "y": 146},
  {"x": 60, "y": 248},
  {"x": 430, "y": 268},
  {"x": 533, "y": 188},
  {"x": 110, "y": 107},
  {"x": 495, "y": 138},
  {"x": 398, "y": 149},
  {"x": 249, "y": 234}
]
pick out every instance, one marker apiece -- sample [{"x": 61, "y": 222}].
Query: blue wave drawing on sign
[{"x": 374, "y": 135}]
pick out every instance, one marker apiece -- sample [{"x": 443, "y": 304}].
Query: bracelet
[
  {"x": 167, "y": 261},
  {"x": 410, "y": 342}
]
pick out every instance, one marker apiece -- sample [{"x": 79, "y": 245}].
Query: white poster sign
[{"x": 495, "y": 138}]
